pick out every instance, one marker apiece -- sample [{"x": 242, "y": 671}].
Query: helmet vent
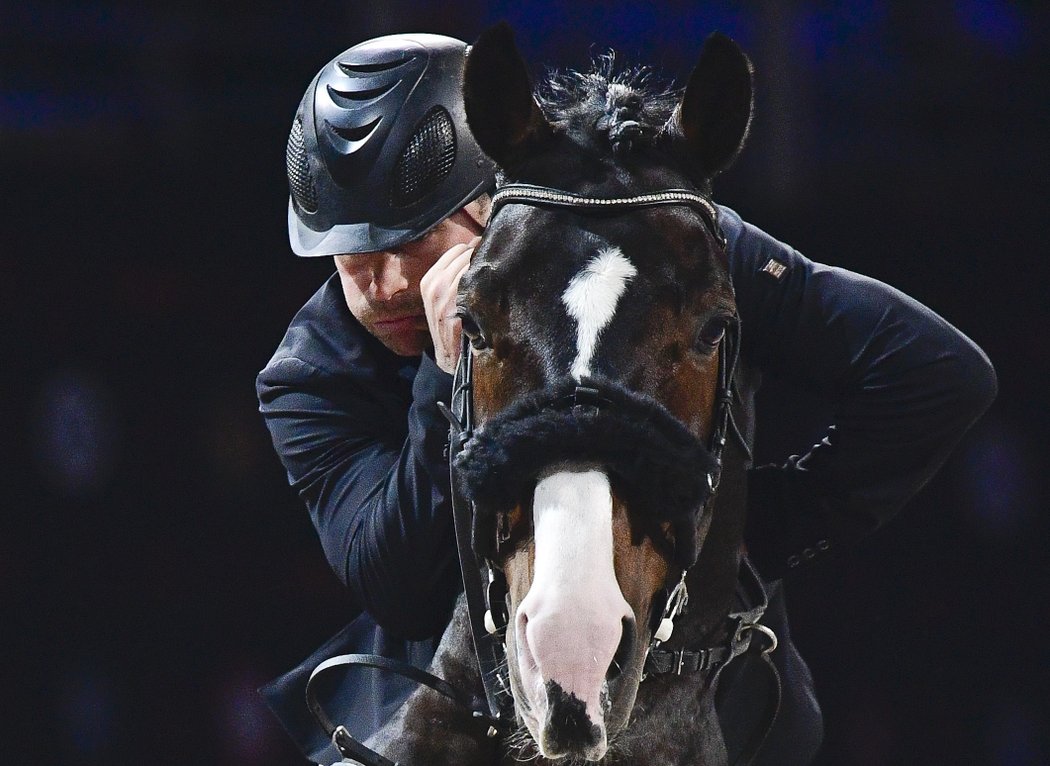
[
  {"x": 350, "y": 68},
  {"x": 357, "y": 134},
  {"x": 299, "y": 180},
  {"x": 346, "y": 98},
  {"x": 427, "y": 160}
]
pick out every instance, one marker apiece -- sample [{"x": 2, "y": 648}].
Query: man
[{"x": 385, "y": 177}]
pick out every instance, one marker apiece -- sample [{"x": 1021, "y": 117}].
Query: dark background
[{"x": 155, "y": 567}]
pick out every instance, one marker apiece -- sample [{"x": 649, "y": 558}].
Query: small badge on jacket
[{"x": 774, "y": 268}]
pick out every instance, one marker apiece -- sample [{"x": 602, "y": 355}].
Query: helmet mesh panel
[
  {"x": 427, "y": 160},
  {"x": 299, "y": 180}
]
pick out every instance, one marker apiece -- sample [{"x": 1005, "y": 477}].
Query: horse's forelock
[{"x": 621, "y": 107}]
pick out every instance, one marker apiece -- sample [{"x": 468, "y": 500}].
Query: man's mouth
[{"x": 401, "y": 324}]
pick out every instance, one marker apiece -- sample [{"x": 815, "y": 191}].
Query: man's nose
[{"x": 388, "y": 278}]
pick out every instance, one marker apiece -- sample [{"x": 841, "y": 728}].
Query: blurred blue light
[
  {"x": 24, "y": 111},
  {"x": 75, "y": 433},
  {"x": 995, "y": 23},
  {"x": 38, "y": 110},
  {"x": 857, "y": 26},
  {"x": 241, "y": 719},
  {"x": 997, "y": 480},
  {"x": 644, "y": 33},
  {"x": 88, "y": 710},
  {"x": 1012, "y": 735}
]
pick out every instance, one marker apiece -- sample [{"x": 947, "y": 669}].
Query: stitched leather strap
[{"x": 348, "y": 746}]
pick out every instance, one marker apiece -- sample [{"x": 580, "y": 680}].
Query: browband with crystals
[{"x": 545, "y": 195}]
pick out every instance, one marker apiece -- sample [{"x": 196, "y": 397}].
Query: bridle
[
  {"x": 486, "y": 605},
  {"x": 486, "y": 602}
]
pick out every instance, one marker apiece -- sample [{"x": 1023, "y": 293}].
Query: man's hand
[{"x": 438, "y": 288}]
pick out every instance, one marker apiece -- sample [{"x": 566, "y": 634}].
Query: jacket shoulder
[{"x": 322, "y": 340}]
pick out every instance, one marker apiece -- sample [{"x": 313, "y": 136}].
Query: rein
[{"x": 486, "y": 605}]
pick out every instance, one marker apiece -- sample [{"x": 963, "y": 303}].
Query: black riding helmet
[{"x": 379, "y": 151}]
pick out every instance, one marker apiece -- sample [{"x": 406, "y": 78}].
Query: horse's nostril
[{"x": 623, "y": 651}]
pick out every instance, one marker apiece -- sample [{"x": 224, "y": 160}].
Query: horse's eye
[
  {"x": 713, "y": 331},
  {"x": 472, "y": 330}
]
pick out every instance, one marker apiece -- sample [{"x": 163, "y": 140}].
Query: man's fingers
[
  {"x": 452, "y": 262},
  {"x": 436, "y": 282},
  {"x": 447, "y": 279},
  {"x": 452, "y": 253},
  {"x": 460, "y": 263},
  {"x": 439, "y": 288},
  {"x": 453, "y": 288}
]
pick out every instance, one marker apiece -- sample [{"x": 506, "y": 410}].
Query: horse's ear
[
  {"x": 715, "y": 112},
  {"x": 497, "y": 94}
]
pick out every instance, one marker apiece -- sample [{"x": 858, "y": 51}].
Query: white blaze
[
  {"x": 591, "y": 299},
  {"x": 570, "y": 622},
  {"x": 572, "y": 516}
]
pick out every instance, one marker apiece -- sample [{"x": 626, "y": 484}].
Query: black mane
[{"x": 624, "y": 107}]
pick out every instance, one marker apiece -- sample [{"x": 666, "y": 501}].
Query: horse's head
[{"x": 597, "y": 335}]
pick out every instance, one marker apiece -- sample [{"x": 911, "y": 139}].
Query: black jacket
[{"x": 357, "y": 430}]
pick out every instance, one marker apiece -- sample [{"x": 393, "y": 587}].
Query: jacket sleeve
[
  {"x": 905, "y": 385},
  {"x": 377, "y": 494}
]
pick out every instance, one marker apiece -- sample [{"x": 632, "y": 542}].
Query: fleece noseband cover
[{"x": 655, "y": 464}]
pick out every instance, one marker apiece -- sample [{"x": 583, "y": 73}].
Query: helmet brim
[
  {"x": 351, "y": 238},
  {"x": 343, "y": 239}
]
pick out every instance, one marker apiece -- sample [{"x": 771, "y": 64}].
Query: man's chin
[{"x": 405, "y": 344}]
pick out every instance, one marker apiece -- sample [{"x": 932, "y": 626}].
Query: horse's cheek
[
  {"x": 640, "y": 569},
  {"x": 690, "y": 394},
  {"x": 497, "y": 381},
  {"x": 487, "y": 399},
  {"x": 519, "y": 568}
]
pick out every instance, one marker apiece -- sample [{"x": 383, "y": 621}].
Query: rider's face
[{"x": 382, "y": 288}]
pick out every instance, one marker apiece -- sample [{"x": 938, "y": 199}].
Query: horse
[{"x": 601, "y": 331}]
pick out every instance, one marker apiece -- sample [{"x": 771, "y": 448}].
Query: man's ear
[
  {"x": 478, "y": 210},
  {"x": 715, "y": 112},
  {"x": 497, "y": 95}
]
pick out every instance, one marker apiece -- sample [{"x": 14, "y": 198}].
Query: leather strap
[
  {"x": 488, "y": 649},
  {"x": 348, "y": 746},
  {"x": 769, "y": 713},
  {"x": 529, "y": 194}
]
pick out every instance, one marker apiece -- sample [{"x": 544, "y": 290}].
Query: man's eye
[{"x": 712, "y": 332}]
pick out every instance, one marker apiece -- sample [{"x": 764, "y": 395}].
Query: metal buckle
[
  {"x": 586, "y": 401},
  {"x": 339, "y": 738}
]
